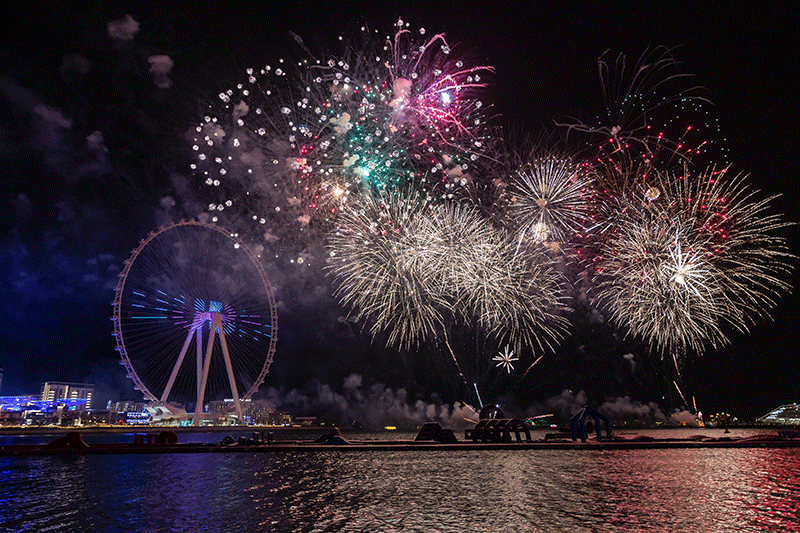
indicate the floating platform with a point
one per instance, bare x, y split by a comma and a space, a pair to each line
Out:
163, 442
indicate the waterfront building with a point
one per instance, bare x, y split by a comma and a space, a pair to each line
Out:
256, 412
13, 408
56, 390
16, 403
126, 406
788, 414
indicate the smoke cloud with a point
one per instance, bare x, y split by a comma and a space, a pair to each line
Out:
369, 407
160, 67
372, 407
123, 29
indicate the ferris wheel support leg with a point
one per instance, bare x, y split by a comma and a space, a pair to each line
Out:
229, 368
199, 361
201, 392
177, 367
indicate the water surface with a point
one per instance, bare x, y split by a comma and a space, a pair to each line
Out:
751, 489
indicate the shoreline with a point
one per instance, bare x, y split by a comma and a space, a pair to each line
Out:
25, 430
35, 450
97, 430
165, 441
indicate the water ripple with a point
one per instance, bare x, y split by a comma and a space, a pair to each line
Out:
697, 490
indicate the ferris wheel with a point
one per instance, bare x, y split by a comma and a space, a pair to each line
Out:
193, 286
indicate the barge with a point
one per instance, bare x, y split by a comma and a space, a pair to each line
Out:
166, 442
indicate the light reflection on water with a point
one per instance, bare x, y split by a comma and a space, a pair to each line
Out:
754, 489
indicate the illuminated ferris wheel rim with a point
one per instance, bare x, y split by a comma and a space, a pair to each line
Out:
123, 276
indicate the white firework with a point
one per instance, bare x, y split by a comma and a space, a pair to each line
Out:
551, 199
505, 359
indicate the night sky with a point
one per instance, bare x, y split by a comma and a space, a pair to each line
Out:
95, 153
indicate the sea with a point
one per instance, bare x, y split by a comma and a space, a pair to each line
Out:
692, 490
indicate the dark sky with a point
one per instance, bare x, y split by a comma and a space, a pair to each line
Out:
75, 201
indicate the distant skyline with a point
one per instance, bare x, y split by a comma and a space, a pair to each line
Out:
97, 107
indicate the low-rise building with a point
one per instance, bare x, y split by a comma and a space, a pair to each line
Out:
788, 415
255, 412
55, 390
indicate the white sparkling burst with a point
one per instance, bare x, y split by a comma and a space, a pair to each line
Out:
505, 359
551, 199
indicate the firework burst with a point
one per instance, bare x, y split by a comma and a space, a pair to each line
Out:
384, 153
506, 359
378, 262
690, 257
551, 199
294, 143
651, 116
413, 271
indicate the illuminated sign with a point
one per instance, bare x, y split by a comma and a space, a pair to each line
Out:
138, 418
